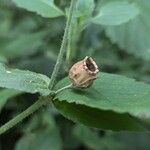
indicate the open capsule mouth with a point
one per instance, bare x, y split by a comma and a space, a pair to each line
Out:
90, 65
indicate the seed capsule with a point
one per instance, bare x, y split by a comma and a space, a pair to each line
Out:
83, 72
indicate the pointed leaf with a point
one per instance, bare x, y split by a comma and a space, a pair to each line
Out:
115, 13
113, 102
134, 36
45, 8
26, 81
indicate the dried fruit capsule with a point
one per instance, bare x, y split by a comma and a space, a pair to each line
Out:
83, 72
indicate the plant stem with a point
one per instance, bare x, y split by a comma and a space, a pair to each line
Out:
63, 45
42, 101
65, 87
69, 48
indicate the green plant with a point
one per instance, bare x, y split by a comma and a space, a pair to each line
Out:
113, 102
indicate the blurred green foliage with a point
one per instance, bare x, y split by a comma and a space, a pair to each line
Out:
28, 41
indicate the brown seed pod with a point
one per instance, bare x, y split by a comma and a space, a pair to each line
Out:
83, 72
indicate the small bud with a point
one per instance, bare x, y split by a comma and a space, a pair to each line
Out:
83, 72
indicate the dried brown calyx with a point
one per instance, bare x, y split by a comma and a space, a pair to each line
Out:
83, 72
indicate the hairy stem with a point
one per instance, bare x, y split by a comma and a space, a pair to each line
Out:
69, 48
63, 45
42, 101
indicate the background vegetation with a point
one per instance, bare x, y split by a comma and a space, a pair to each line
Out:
30, 40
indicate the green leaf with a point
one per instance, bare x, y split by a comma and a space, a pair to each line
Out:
113, 102
24, 45
134, 36
106, 120
116, 13
5, 95
45, 8
26, 81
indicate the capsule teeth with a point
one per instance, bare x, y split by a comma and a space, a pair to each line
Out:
84, 63
91, 59
96, 71
94, 63
86, 58
90, 72
86, 68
